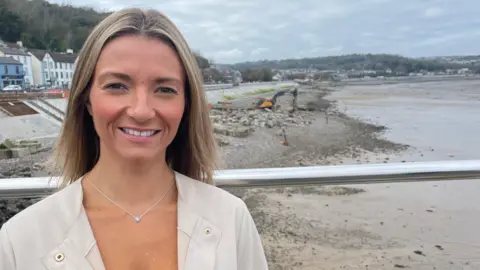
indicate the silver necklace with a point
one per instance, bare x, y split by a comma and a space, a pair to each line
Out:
136, 218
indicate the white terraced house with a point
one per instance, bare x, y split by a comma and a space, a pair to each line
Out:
37, 66
58, 68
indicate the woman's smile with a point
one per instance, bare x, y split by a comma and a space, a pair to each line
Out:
139, 135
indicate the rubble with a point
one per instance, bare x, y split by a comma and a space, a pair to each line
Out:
234, 131
240, 123
16, 149
221, 140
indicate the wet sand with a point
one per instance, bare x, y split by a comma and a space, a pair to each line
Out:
415, 225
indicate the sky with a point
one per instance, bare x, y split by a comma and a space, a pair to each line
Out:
231, 31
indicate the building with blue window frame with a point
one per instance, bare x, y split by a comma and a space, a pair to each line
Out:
11, 72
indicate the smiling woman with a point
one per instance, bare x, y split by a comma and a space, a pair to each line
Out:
137, 155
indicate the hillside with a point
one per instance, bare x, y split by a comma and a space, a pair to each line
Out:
41, 25
396, 63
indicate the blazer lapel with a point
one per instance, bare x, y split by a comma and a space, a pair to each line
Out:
78, 250
197, 238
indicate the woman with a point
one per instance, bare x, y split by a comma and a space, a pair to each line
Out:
136, 134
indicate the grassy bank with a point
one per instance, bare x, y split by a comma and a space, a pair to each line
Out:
250, 93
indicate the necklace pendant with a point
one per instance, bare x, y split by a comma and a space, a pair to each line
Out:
137, 219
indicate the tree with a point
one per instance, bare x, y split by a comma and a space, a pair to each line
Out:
476, 70
201, 61
257, 74
42, 25
11, 25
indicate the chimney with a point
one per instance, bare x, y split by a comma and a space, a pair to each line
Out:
69, 51
19, 43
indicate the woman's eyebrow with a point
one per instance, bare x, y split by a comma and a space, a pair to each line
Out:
172, 80
118, 75
126, 77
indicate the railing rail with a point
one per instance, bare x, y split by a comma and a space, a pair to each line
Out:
315, 175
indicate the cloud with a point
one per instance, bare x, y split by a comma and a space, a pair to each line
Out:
433, 12
247, 30
258, 51
234, 54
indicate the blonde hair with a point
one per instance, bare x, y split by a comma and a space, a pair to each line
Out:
192, 151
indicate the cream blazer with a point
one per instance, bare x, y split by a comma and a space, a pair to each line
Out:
215, 231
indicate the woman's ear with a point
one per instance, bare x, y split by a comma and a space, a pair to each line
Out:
88, 105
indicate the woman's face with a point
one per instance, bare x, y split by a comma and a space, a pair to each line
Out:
137, 97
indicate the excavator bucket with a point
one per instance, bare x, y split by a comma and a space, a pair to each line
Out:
266, 104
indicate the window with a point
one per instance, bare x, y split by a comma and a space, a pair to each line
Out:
61, 75
17, 69
6, 69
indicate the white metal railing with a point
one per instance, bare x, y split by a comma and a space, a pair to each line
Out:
315, 175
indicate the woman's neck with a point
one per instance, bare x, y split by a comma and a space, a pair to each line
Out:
130, 182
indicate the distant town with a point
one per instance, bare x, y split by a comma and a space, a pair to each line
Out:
26, 69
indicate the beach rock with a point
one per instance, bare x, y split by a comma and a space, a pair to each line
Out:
220, 129
221, 141
216, 118
240, 132
270, 124
234, 131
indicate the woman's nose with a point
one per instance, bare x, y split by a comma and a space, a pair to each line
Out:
140, 108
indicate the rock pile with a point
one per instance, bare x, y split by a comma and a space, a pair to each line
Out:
240, 123
15, 149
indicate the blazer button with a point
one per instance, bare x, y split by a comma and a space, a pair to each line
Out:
208, 231
59, 257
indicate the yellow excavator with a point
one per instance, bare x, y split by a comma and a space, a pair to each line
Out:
270, 102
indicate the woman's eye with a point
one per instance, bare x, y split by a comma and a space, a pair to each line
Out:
116, 86
166, 90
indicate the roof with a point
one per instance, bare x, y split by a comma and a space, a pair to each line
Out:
39, 54
13, 51
12, 45
9, 60
63, 57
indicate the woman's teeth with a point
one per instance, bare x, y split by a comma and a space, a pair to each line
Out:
139, 133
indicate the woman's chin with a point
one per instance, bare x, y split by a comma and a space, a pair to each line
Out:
141, 155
